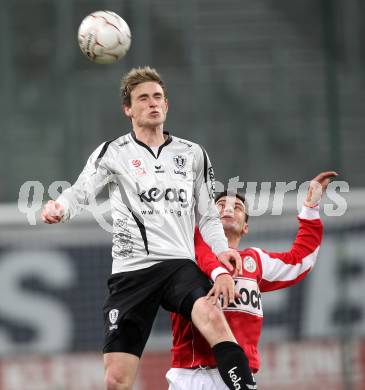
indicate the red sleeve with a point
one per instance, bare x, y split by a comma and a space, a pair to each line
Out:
283, 269
206, 259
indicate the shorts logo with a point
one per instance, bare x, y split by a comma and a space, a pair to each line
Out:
180, 161
249, 264
113, 316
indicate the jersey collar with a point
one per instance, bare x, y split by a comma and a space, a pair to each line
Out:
168, 141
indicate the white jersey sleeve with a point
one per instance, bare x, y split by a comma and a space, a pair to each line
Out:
207, 217
90, 182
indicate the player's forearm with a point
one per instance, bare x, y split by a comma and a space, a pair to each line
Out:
206, 259
282, 269
84, 191
310, 233
73, 201
213, 234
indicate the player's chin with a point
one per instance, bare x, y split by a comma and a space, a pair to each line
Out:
229, 225
153, 123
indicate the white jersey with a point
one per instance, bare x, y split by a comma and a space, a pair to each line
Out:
156, 199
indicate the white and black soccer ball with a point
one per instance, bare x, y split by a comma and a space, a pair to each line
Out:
104, 37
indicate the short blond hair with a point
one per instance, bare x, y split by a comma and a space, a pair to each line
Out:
138, 76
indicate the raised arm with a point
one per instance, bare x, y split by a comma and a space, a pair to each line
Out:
283, 269
90, 182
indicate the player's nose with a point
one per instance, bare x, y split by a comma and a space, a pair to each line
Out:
153, 103
228, 211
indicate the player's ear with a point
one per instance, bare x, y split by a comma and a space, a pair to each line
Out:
126, 110
167, 104
245, 229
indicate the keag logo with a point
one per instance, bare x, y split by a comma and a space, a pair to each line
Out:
172, 195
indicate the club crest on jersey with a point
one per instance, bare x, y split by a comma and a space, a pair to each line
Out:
249, 264
113, 316
137, 167
179, 161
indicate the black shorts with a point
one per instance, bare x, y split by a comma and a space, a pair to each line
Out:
135, 296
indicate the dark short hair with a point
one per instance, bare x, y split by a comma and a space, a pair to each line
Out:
238, 195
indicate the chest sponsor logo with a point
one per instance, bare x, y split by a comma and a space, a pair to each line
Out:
137, 167
249, 300
171, 195
249, 264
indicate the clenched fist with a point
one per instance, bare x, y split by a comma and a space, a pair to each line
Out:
52, 212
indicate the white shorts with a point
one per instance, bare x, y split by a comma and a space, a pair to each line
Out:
195, 379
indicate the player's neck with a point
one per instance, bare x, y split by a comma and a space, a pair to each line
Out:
233, 240
150, 136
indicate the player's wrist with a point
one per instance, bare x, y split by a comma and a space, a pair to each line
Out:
63, 202
217, 272
308, 212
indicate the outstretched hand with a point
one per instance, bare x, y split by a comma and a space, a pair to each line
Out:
232, 261
317, 186
223, 287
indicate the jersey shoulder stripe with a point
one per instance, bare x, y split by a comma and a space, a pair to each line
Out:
103, 151
205, 156
105, 148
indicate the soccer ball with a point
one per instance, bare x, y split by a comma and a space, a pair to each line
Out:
104, 37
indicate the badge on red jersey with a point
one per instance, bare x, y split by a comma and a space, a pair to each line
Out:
249, 264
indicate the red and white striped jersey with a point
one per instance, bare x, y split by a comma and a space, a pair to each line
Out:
262, 271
